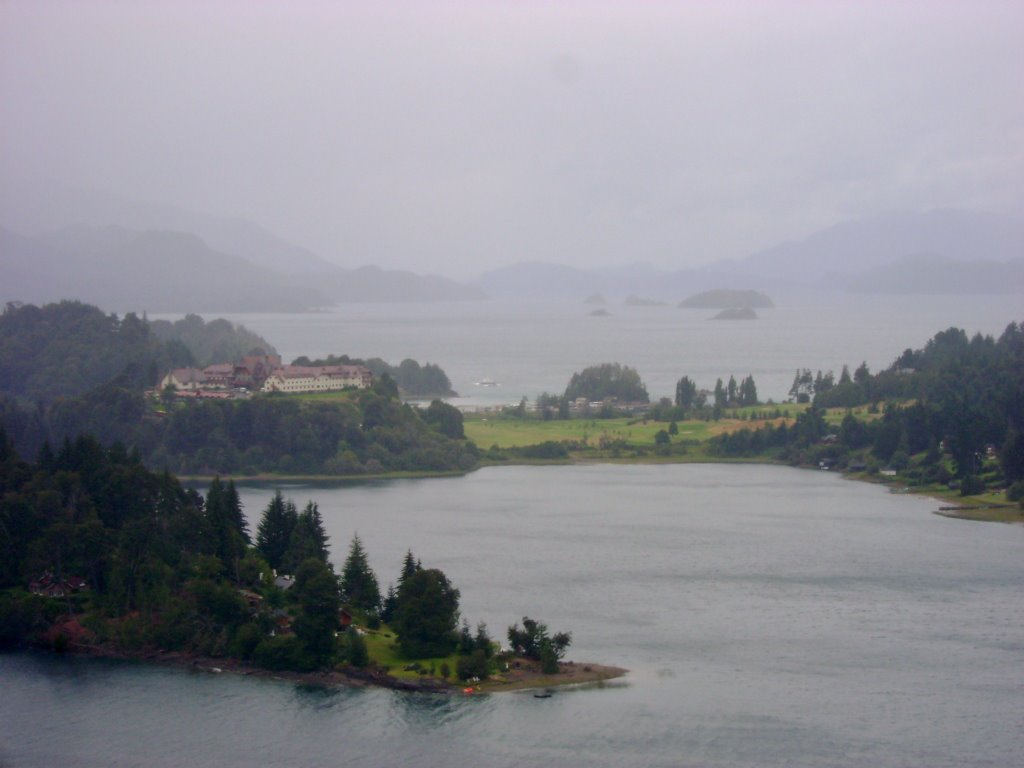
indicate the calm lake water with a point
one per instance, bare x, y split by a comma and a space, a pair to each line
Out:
529, 348
769, 617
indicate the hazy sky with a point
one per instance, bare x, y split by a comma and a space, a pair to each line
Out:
455, 137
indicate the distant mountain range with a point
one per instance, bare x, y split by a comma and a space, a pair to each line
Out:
155, 271
59, 242
33, 206
129, 255
852, 251
937, 252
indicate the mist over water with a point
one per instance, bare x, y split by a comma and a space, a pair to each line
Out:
529, 348
769, 616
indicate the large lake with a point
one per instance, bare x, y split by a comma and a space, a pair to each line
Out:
769, 617
529, 348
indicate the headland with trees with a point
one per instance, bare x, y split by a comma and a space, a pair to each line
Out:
99, 555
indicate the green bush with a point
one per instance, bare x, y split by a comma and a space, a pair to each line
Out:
971, 485
245, 641
473, 665
278, 653
1016, 491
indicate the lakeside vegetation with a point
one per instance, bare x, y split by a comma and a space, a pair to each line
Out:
99, 555
943, 419
68, 369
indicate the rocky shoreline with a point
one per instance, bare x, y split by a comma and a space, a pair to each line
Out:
523, 675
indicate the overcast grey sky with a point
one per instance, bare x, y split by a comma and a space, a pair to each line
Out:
456, 137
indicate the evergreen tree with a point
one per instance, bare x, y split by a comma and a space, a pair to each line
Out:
387, 611
319, 604
358, 581
466, 644
274, 533
720, 396
308, 539
1011, 457
748, 391
483, 641
686, 393
427, 615
409, 566
235, 515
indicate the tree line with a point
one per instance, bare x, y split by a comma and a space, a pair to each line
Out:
142, 563
943, 409
68, 369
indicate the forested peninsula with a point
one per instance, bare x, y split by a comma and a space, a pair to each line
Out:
99, 555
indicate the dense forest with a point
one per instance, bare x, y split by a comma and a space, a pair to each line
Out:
98, 553
65, 350
957, 397
68, 369
216, 341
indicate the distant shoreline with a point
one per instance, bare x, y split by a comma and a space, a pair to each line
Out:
979, 511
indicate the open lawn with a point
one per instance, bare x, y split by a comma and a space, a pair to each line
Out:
382, 646
516, 433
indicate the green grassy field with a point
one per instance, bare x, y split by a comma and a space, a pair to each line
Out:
382, 646
516, 433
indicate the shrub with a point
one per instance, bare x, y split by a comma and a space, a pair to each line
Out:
971, 485
1016, 491
473, 665
356, 652
277, 653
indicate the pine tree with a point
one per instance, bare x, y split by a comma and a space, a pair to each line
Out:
427, 615
686, 393
409, 567
274, 533
387, 611
357, 579
308, 539
236, 517
720, 396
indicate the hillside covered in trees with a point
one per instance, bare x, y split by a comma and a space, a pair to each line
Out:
66, 349
99, 554
216, 341
943, 412
68, 369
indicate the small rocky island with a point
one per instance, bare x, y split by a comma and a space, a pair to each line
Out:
727, 298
